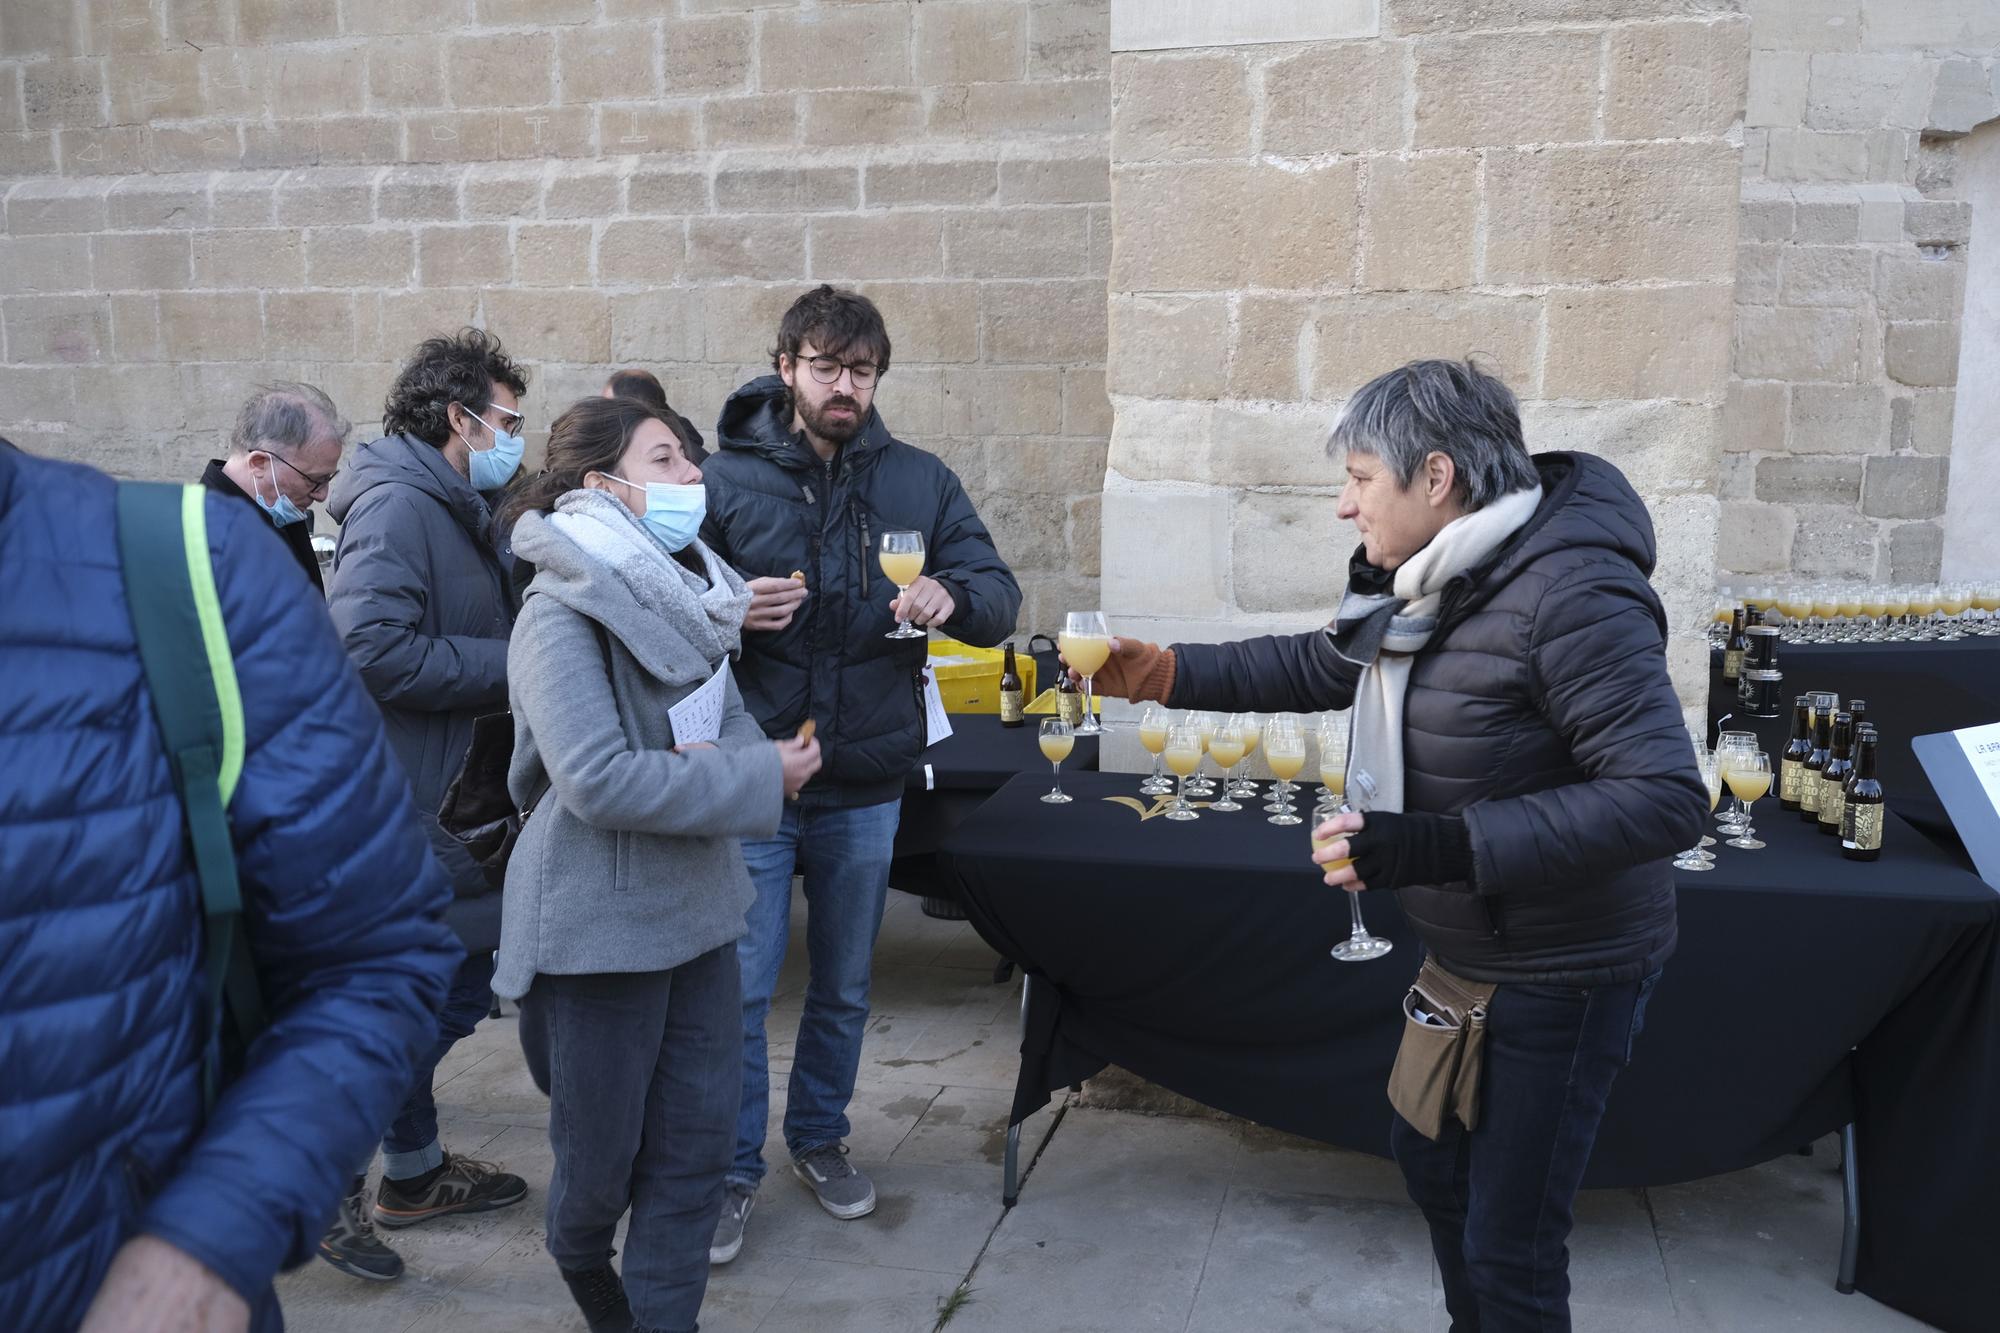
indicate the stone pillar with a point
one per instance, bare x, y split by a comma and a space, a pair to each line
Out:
1305, 195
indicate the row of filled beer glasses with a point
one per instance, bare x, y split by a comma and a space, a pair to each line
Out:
1180, 742
1828, 612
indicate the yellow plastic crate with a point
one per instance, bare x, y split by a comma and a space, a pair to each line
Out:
969, 677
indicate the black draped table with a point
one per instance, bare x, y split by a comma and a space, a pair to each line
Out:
1807, 992
1912, 689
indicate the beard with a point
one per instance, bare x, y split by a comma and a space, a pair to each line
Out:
834, 430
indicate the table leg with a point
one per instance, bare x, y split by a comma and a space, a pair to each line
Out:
1850, 1207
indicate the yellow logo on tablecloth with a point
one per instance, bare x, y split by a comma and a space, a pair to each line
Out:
1159, 807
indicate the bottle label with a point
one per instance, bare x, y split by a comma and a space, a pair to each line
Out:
1069, 707
1789, 771
1861, 829
1010, 706
1832, 801
1809, 785
1732, 663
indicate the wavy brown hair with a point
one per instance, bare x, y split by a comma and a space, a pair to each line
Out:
589, 437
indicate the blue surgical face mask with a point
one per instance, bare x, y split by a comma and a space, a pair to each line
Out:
492, 468
282, 511
673, 514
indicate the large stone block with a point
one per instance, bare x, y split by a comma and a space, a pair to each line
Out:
1919, 289
309, 325
616, 62
1923, 354
501, 191
1507, 88
41, 393
1834, 542
1906, 486
1938, 221
1420, 16
786, 189
1069, 40
1829, 275
158, 85
559, 326
583, 190
1815, 481
1963, 99
499, 13
359, 257
405, 73
1798, 344
766, 249
1757, 273
863, 47
74, 329
928, 321
500, 69
552, 255
51, 205
1017, 243
54, 263
1922, 421
1045, 467
1806, 25
56, 93
668, 190
1422, 217
708, 55
1187, 577
1646, 342
1777, 90
1279, 444
664, 324
211, 326
1826, 216
964, 181
975, 42
1086, 535
981, 401
877, 245
143, 203
642, 251
1612, 213
1169, 346
1226, 225
994, 110
1855, 92
1916, 552
1289, 552
1162, 439
143, 261
1755, 538
766, 120
1043, 323
1934, 23
404, 319
136, 328
499, 133
418, 194
1180, 106
648, 127
868, 116
1664, 449
1056, 180
1086, 405
1270, 343
1358, 338
472, 256
1817, 155
1838, 419
1753, 416
245, 199
1341, 97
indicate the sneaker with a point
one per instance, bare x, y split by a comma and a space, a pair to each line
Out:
600, 1294
351, 1244
737, 1201
842, 1190
462, 1186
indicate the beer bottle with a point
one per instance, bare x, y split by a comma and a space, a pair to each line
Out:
1792, 763
1815, 765
1861, 818
1833, 777
1012, 707
1858, 707
1732, 651
1069, 699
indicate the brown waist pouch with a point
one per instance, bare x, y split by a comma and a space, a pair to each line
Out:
1439, 1064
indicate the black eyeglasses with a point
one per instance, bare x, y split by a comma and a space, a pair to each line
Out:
316, 483
826, 369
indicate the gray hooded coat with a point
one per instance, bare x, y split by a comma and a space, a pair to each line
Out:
630, 859
422, 606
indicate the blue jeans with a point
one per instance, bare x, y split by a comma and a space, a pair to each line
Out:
1500, 1199
411, 1147
844, 855
640, 1068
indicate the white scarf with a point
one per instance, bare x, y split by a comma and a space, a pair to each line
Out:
709, 617
1402, 623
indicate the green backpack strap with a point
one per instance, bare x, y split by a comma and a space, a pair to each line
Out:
170, 588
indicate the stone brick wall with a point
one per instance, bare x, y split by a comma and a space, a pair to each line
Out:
1851, 284
1531, 181
202, 194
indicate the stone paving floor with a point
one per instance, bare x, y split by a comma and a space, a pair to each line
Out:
1126, 1222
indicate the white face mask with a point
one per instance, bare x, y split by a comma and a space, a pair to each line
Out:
674, 514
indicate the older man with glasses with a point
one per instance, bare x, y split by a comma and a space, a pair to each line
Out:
283, 454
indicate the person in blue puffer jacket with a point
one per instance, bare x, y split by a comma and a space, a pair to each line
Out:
120, 1206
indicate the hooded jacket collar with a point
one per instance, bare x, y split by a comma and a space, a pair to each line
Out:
758, 419
410, 461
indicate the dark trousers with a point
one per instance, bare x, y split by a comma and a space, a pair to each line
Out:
643, 1073
1500, 1199
411, 1147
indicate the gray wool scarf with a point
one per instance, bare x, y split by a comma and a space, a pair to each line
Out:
1385, 631
709, 617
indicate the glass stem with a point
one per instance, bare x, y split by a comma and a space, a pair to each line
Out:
1088, 712
1180, 797
1055, 766
1354, 906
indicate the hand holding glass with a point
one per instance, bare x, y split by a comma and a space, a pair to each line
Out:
1359, 946
1085, 643
902, 557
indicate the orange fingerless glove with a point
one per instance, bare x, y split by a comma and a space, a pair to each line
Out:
1138, 671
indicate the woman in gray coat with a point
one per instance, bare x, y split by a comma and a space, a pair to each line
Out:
626, 892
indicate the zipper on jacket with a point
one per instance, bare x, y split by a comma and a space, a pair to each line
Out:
862, 519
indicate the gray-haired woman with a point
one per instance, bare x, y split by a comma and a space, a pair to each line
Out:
1526, 775
626, 892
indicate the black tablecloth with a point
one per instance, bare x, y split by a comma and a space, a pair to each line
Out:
1807, 991
954, 778
1912, 689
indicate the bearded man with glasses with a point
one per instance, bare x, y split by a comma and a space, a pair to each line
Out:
805, 481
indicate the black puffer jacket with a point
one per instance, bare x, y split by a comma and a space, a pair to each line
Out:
774, 507
1541, 712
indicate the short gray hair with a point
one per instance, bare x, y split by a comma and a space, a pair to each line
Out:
283, 417
1446, 407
